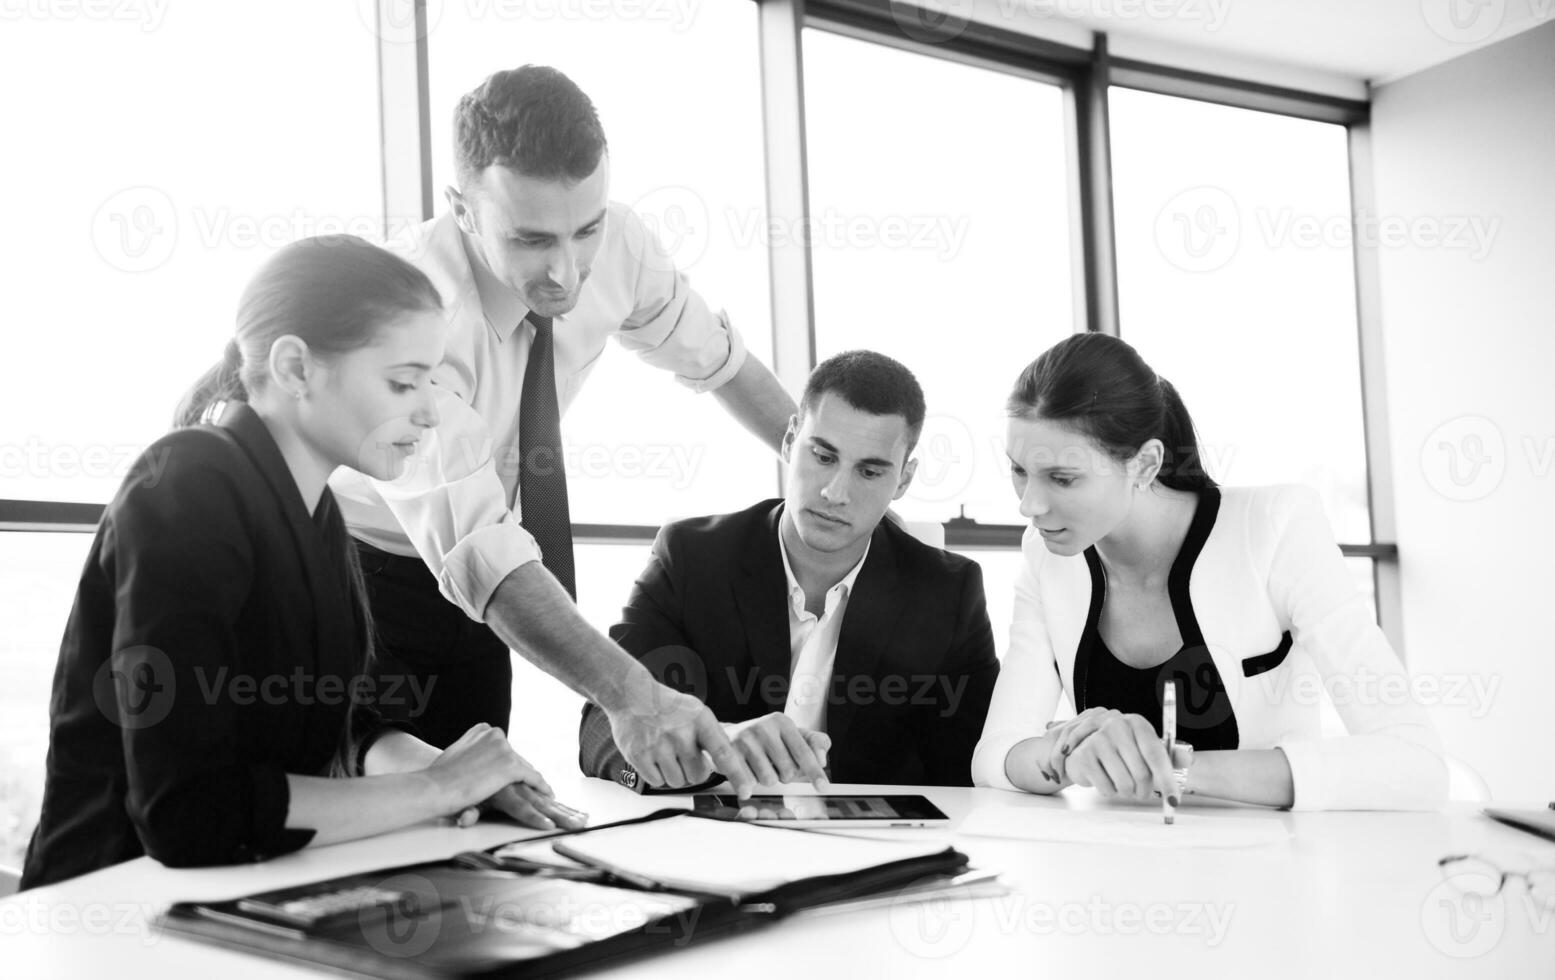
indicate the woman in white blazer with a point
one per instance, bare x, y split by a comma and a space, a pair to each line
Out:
1139, 571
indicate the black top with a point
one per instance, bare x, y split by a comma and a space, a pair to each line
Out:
1205, 718
212, 649
915, 666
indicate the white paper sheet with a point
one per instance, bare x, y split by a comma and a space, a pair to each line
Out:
1142, 828
736, 858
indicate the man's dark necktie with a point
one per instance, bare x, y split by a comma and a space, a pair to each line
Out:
542, 480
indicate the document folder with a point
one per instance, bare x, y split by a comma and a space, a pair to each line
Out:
482, 915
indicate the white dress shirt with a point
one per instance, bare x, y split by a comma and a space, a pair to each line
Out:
812, 644
456, 504
1269, 566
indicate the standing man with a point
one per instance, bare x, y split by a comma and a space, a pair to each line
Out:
470, 553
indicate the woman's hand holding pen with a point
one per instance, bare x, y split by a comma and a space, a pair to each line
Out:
1119, 755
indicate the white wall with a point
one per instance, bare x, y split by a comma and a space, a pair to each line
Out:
1469, 335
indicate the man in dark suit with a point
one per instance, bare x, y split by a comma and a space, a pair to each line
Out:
816, 630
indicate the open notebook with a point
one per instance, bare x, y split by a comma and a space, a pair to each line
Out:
734, 859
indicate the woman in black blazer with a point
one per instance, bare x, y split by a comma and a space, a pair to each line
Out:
212, 677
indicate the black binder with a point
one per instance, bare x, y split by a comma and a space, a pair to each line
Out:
1540, 822
476, 915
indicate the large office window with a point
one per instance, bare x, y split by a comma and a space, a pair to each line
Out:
154, 158
680, 105
939, 213
1236, 281
151, 170
38, 575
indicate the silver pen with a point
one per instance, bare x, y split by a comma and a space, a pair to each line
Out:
1169, 736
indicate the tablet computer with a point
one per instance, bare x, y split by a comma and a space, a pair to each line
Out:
825, 811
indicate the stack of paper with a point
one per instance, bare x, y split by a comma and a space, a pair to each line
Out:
730, 858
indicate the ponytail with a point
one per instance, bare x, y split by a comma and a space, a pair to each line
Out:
222, 382
1101, 388
1183, 467
331, 291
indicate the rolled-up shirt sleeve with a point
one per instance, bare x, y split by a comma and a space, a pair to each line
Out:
453, 508
671, 326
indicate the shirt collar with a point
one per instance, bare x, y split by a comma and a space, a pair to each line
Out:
504, 311
845, 586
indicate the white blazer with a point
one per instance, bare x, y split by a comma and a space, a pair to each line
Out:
1269, 565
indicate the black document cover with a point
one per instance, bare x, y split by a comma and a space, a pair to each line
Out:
464, 918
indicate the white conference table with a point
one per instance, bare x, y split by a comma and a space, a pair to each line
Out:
1349, 895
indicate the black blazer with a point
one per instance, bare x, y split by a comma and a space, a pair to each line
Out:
915, 665
209, 653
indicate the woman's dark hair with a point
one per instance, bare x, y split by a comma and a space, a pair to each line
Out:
334, 292
1101, 388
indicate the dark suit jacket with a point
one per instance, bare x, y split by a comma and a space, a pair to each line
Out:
191, 675
915, 665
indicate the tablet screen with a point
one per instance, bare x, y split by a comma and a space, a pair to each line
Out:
821, 808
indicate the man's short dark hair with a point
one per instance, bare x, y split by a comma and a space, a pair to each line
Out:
532, 119
870, 382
